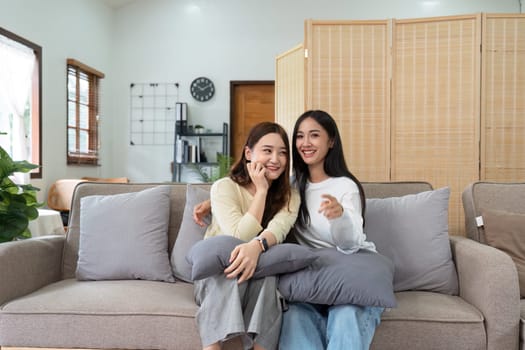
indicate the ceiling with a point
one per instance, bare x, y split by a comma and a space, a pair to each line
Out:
117, 3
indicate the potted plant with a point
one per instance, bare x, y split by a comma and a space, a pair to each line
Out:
18, 203
199, 129
222, 168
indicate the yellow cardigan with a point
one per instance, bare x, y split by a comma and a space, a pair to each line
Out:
230, 203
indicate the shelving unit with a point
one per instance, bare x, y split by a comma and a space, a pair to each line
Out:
180, 160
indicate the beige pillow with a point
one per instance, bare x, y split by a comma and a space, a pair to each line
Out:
506, 231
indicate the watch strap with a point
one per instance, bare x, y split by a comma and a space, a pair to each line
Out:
263, 242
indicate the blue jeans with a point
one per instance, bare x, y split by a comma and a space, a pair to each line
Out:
310, 326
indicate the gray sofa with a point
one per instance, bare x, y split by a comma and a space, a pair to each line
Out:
43, 305
509, 197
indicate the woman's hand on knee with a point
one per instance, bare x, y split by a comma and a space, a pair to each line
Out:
243, 261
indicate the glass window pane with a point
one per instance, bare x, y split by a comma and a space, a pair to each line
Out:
71, 140
6, 126
71, 114
71, 86
84, 91
84, 138
84, 117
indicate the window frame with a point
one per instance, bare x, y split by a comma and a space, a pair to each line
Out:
92, 76
36, 103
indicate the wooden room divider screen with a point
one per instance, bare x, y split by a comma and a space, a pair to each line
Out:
503, 98
435, 114
289, 87
407, 97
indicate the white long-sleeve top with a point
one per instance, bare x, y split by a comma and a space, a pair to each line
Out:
345, 232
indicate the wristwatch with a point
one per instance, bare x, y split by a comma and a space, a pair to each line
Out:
263, 242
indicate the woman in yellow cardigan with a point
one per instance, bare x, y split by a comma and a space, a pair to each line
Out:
256, 204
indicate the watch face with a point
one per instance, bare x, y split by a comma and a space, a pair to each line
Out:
202, 89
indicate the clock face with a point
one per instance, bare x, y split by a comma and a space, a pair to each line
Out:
202, 89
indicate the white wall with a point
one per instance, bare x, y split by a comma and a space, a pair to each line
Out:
78, 29
175, 41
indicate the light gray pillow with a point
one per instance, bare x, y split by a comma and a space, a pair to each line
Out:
211, 256
125, 236
189, 233
413, 232
362, 278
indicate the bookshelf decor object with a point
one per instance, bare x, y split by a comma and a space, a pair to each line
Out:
188, 145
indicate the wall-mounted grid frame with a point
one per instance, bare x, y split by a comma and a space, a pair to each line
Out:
152, 113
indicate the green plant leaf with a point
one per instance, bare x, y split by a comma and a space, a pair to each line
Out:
31, 213
26, 234
18, 203
29, 187
23, 166
12, 225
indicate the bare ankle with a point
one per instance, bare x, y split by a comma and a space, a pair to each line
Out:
215, 346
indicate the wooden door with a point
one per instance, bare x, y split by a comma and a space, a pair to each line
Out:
252, 102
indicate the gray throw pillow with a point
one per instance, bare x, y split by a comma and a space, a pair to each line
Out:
362, 278
211, 256
125, 236
189, 233
413, 232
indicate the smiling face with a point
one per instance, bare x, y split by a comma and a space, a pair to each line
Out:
312, 142
271, 152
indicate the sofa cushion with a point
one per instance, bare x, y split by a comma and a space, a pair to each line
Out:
362, 278
412, 231
211, 256
426, 320
124, 236
128, 314
506, 231
189, 233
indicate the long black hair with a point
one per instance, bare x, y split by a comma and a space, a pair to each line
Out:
279, 192
334, 163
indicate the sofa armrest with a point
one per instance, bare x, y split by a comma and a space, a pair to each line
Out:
28, 265
488, 280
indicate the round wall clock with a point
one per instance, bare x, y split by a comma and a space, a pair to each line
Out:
202, 89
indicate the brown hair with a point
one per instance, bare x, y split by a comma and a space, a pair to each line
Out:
279, 192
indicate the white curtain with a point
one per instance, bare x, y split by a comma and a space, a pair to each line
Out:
17, 63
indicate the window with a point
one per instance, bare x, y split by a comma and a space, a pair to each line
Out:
82, 113
20, 100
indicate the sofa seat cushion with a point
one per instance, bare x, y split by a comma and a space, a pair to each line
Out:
103, 314
427, 320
